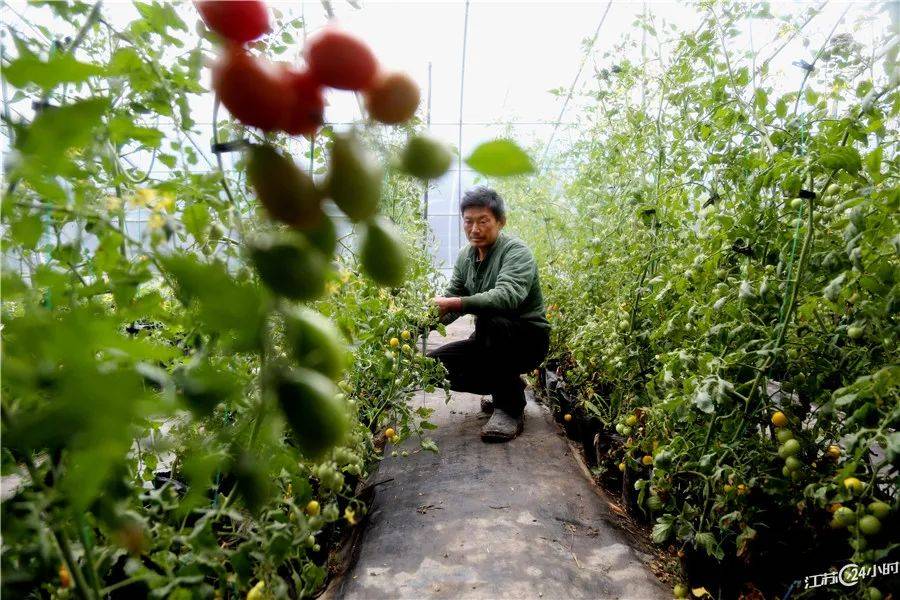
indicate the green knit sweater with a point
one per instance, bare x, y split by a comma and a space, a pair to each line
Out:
505, 283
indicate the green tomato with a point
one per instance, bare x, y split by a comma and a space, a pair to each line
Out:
869, 525
880, 509
792, 463
323, 236
783, 435
316, 342
307, 399
288, 194
288, 265
789, 448
425, 157
382, 254
354, 178
845, 516
854, 332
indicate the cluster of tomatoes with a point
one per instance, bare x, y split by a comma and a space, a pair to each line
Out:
277, 96
294, 261
281, 97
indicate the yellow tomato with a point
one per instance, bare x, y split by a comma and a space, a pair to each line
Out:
853, 485
65, 580
779, 419
394, 342
389, 432
312, 508
257, 592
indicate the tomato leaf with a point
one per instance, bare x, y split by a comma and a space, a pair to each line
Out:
55, 131
500, 158
61, 68
842, 157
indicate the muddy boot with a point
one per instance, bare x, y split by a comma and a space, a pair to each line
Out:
502, 427
487, 404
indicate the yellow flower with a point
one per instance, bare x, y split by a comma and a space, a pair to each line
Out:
350, 515
345, 276
331, 287
142, 197
156, 221
113, 203
165, 202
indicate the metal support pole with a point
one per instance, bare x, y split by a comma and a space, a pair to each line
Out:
462, 83
425, 196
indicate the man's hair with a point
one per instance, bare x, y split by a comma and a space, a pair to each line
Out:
481, 196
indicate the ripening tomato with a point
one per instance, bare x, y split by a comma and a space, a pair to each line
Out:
254, 90
393, 98
237, 20
288, 193
306, 109
340, 60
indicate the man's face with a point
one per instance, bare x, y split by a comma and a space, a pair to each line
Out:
482, 227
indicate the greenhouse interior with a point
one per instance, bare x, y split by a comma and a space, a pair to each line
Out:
459, 299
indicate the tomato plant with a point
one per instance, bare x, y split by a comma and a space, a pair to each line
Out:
190, 407
722, 276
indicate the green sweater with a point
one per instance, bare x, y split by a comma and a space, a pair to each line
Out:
505, 283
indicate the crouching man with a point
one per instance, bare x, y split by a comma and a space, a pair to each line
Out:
496, 279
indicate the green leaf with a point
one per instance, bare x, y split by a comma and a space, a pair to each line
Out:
873, 163
223, 302
61, 68
122, 128
500, 158
781, 108
760, 99
842, 157
662, 530
27, 230
703, 401
195, 219
125, 61
55, 131
428, 444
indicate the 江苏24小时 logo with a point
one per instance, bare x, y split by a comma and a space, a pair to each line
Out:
851, 574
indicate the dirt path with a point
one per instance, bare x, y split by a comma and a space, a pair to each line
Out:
516, 520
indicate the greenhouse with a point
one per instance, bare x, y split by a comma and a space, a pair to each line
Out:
462, 299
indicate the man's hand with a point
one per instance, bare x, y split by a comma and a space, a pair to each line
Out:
446, 305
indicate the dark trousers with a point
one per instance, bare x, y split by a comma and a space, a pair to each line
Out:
490, 361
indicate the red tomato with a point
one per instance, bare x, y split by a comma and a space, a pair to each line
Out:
393, 98
255, 91
340, 59
305, 112
237, 20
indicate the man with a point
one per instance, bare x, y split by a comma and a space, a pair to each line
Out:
496, 279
